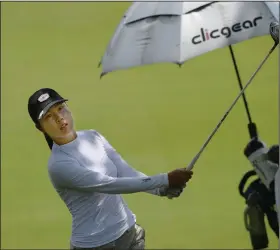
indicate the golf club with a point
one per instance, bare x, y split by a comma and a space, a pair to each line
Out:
274, 32
251, 125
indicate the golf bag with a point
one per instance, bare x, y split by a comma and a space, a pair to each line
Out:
260, 204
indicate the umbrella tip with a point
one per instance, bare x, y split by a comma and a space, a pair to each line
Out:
102, 74
179, 64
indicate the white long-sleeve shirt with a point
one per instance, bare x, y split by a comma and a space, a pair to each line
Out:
89, 176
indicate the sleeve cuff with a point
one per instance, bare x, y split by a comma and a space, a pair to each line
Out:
165, 179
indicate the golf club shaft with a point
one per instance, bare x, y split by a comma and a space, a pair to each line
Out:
192, 163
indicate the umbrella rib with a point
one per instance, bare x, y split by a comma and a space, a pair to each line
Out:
200, 8
154, 16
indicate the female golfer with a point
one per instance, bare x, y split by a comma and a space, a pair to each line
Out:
89, 176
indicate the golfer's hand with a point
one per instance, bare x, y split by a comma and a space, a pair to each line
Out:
174, 192
179, 177
171, 192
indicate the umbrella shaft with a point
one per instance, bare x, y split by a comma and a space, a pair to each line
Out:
240, 83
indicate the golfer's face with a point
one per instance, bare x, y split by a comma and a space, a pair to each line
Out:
57, 122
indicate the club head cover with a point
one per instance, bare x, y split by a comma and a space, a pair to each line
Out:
273, 154
253, 146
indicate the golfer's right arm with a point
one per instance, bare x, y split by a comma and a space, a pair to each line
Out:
69, 174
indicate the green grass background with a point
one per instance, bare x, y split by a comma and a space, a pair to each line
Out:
156, 116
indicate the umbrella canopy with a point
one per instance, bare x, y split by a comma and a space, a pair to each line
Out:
174, 32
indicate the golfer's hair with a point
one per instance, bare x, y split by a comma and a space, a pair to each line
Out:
49, 141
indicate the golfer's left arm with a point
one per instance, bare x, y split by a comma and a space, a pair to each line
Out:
124, 169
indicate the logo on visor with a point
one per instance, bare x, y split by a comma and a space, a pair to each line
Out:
43, 97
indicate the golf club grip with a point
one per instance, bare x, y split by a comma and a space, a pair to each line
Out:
194, 160
252, 130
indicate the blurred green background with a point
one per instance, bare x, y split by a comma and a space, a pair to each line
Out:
156, 116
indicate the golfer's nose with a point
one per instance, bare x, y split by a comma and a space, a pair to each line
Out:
59, 118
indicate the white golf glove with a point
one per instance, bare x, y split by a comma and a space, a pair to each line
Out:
256, 152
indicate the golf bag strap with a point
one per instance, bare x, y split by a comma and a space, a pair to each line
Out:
244, 180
